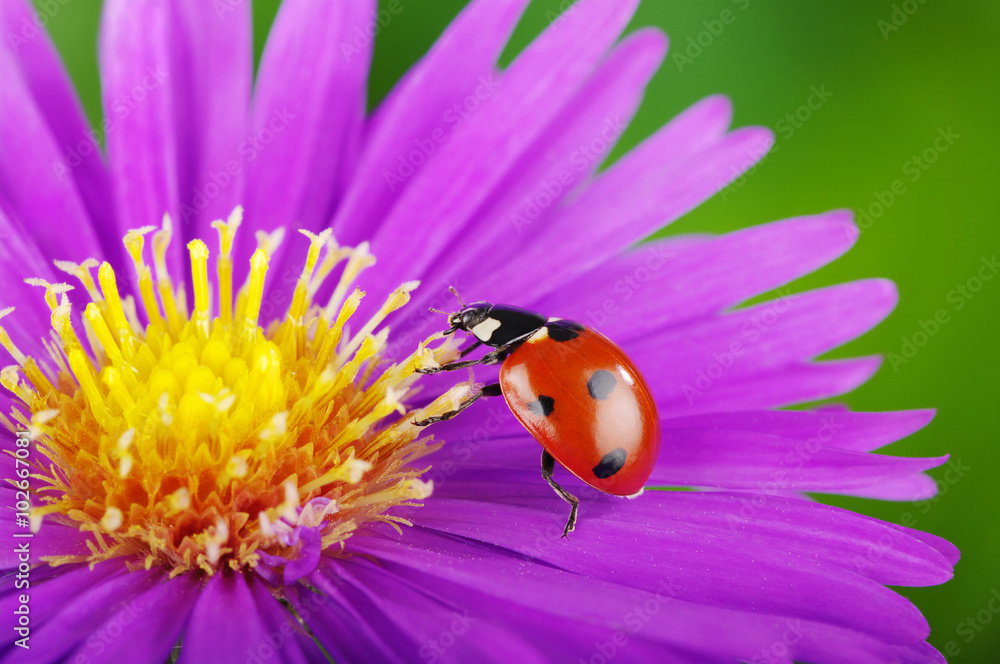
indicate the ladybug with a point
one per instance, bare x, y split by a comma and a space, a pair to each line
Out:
575, 391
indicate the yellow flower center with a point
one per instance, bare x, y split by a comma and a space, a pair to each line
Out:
201, 442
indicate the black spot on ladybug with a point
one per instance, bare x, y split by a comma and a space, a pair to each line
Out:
610, 463
542, 406
601, 384
564, 330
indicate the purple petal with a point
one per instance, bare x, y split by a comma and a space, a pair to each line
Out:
175, 79
663, 284
414, 112
798, 383
218, 64
519, 107
346, 624
762, 462
838, 540
34, 191
48, 596
423, 619
311, 546
283, 634
146, 629
790, 385
57, 102
638, 195
920, 653
547, 599
308, 114
708, 353
141, 74
224, 620
80, 614
692, 132
565, 156
905, 489
717, 555
861, 432
948, 550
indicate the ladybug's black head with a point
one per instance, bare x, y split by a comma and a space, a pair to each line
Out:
495, 325
470, 316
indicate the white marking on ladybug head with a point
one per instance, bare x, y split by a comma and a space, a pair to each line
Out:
485, 330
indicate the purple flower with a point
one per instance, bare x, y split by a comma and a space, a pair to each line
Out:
233, 472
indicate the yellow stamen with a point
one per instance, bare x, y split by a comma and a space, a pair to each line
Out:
52, 291
300, 297
396, 299
107, 342
116, 312
199, 277
134, 243
258, 270
359, 260
195, 443
5, 341
224, 264
82, 272
161, 242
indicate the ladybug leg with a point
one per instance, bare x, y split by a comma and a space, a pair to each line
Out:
492, 390
548, 467
496, 357
469, 349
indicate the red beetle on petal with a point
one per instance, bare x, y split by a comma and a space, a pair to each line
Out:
573, 389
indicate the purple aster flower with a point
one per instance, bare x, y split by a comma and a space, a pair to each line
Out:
211, 453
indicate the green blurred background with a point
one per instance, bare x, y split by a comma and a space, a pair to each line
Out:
892, 84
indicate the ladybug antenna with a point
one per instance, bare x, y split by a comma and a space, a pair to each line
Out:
437, 311
455, 293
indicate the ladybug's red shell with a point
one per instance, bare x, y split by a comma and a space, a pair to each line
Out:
581, 397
